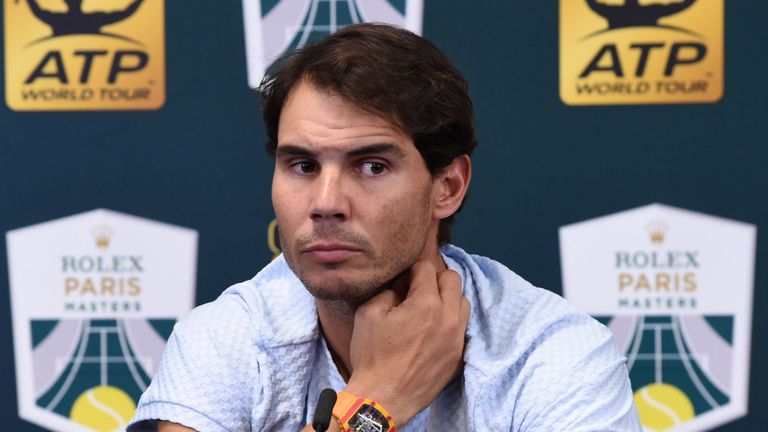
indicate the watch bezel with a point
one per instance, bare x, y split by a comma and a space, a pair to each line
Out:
364, 414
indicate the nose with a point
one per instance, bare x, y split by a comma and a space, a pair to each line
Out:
330, 202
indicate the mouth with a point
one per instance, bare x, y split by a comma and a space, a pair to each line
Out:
325, 253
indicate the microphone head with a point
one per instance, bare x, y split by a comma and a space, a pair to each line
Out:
324, 410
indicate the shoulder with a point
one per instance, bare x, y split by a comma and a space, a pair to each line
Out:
534, 356
511, 318
221, 363
273, 308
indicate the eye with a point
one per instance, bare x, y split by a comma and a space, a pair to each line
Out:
373, 168
304, 167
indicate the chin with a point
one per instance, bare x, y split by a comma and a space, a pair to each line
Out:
336, 288
344, 281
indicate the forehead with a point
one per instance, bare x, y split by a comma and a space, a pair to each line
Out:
313, 114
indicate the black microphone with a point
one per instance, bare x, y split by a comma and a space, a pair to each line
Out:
324, 409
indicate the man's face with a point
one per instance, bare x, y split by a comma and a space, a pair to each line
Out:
353, 197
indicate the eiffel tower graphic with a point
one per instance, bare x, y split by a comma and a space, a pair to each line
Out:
660, 353
323, 18
103, 356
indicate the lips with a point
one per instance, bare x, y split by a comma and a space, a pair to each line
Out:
330, 252
325, 253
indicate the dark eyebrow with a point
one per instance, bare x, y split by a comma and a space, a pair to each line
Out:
376, 149
292, 150
373, 149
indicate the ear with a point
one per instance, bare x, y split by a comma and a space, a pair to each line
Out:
451, 187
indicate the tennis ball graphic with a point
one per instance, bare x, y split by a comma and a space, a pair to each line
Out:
103, 408
663, 406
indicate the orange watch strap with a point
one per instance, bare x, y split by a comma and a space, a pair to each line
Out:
346, 405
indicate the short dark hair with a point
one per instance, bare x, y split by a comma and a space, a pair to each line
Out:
390, 72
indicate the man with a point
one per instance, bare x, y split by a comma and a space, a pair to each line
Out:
372, 131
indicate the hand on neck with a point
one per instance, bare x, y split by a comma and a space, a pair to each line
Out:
337, 318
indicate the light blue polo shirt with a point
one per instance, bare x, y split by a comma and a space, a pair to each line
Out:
254, 360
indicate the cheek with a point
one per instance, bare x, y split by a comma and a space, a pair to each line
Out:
285, 200
287, 223
288, 214
406, 220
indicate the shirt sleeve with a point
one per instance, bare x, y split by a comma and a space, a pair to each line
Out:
208, 378
577, 381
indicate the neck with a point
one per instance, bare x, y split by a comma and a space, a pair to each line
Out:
337, 320
337, 317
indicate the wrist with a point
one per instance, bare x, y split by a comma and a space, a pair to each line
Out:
391, 400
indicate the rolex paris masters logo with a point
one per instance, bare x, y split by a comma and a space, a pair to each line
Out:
641, 51
273, 27
675, 288
93, 299
81, 55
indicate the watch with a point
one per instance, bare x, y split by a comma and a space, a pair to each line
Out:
358, 414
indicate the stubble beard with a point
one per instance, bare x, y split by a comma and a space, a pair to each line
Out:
350, 292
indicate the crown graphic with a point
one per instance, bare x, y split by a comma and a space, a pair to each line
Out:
75, 21
657, 231
633, 14
102, 234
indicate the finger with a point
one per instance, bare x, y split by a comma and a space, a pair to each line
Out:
449, 287
401, 284
379, 304
465, 309
423, 284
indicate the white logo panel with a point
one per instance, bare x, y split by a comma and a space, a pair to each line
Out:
675, 287
273, 27
94, 297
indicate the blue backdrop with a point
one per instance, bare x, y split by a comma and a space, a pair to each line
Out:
199, 161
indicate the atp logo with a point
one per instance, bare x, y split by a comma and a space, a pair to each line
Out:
273, 27
94, 298
675, 288
68, 55
641, 51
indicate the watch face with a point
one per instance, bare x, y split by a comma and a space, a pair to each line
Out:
368, 419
